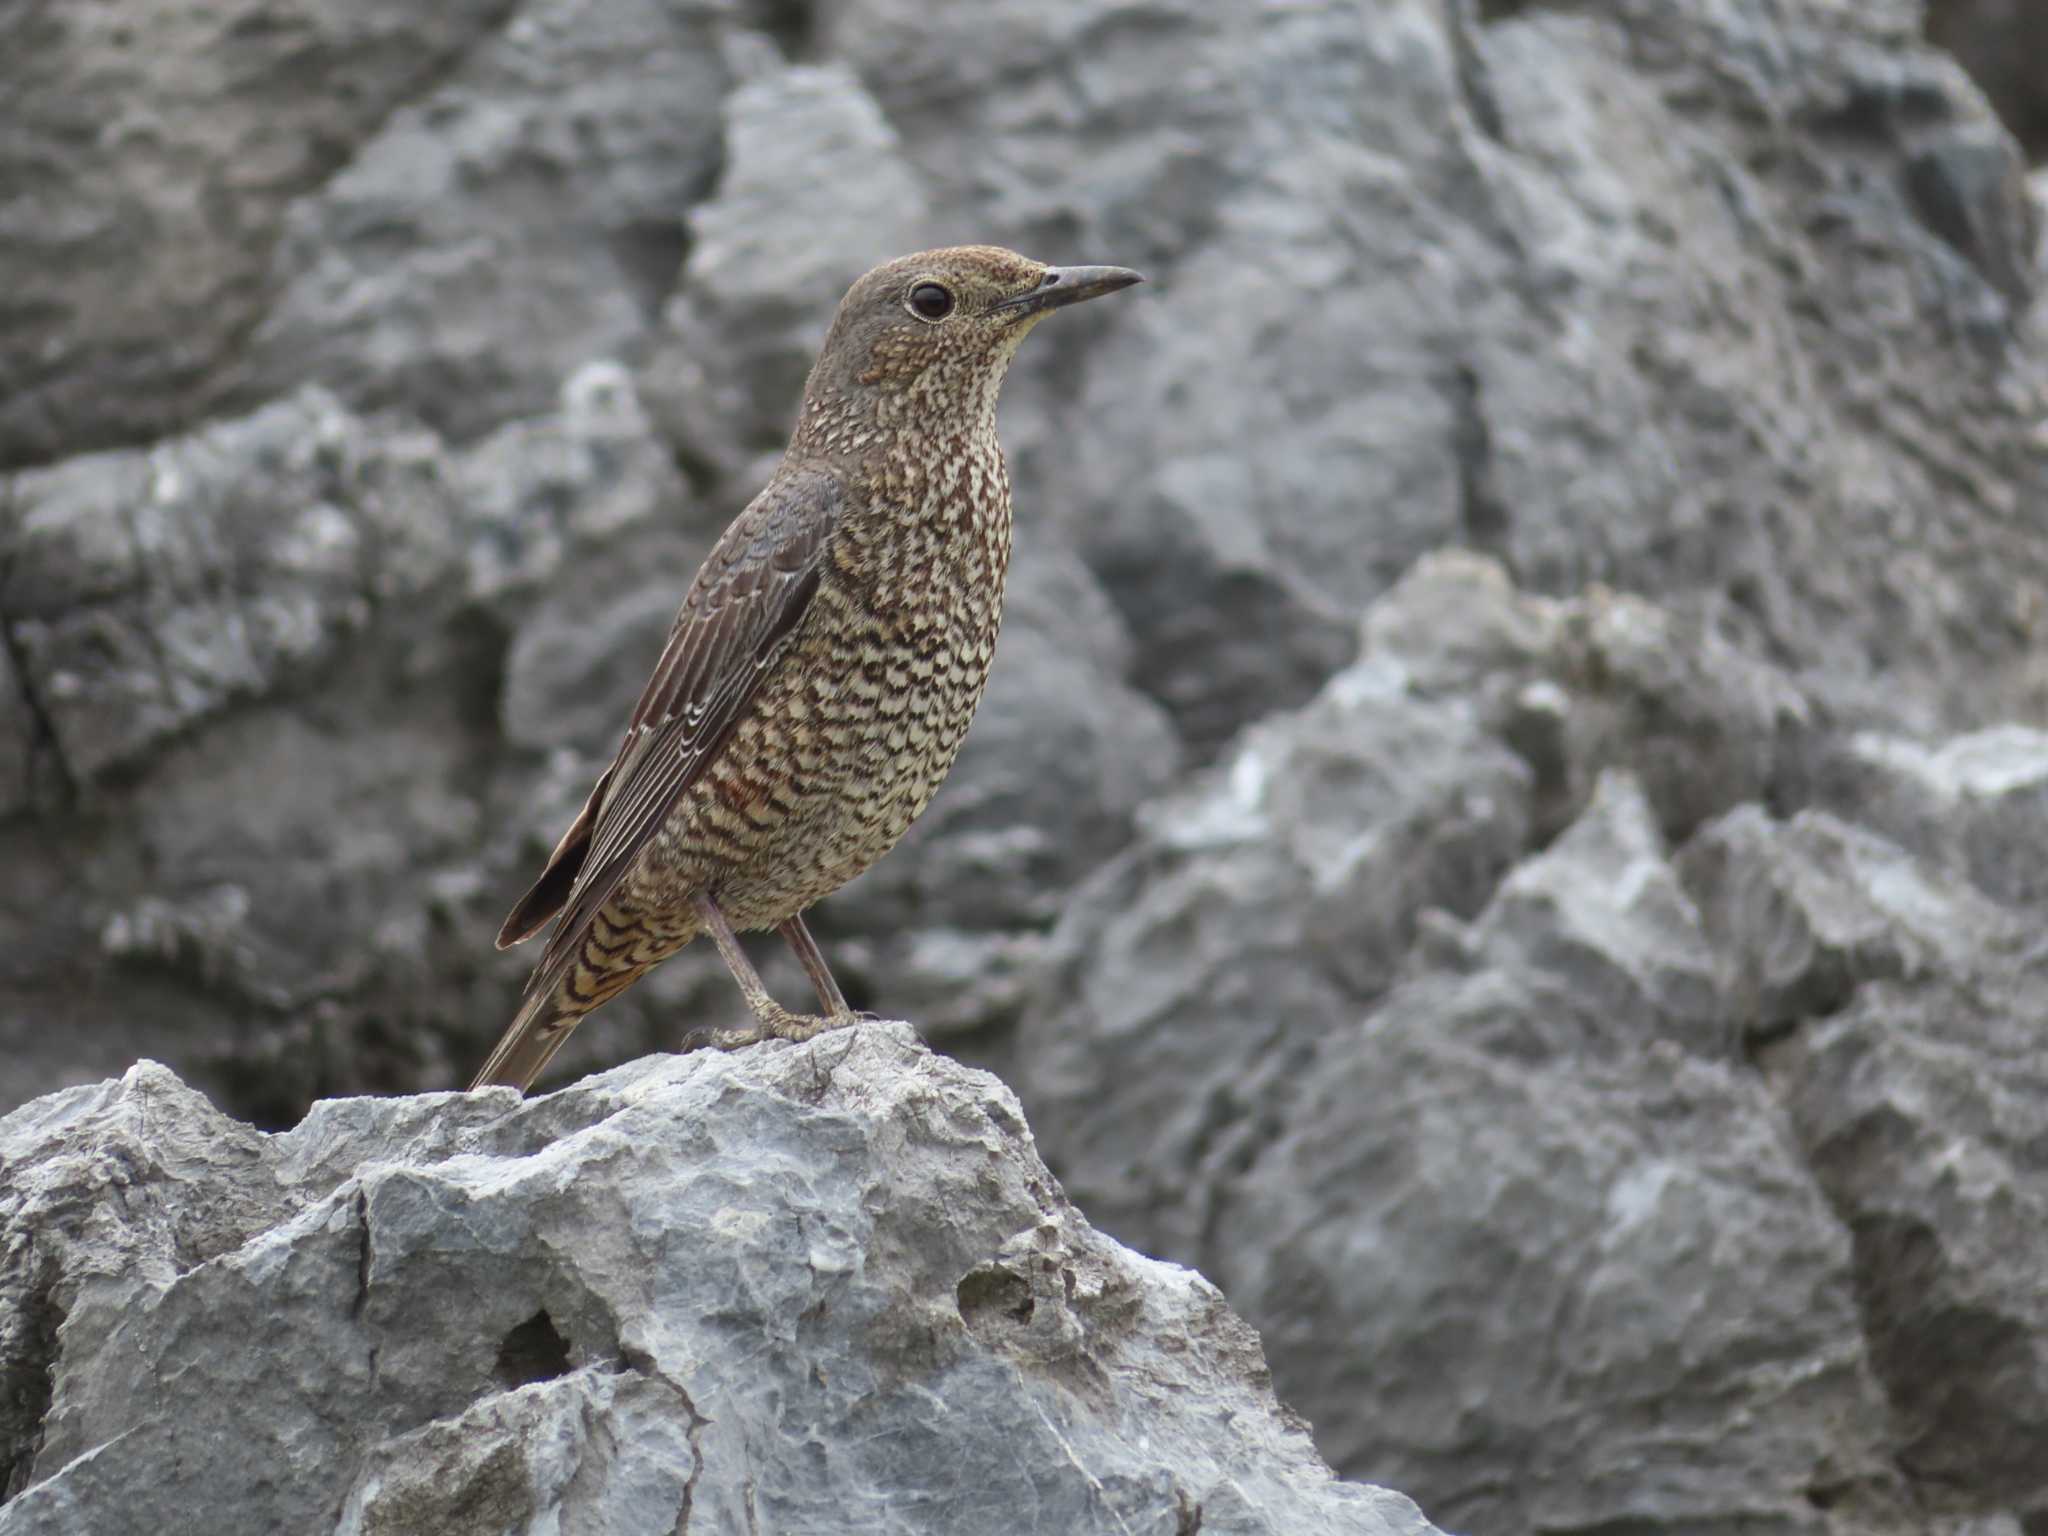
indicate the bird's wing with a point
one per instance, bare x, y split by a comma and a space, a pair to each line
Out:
749, 596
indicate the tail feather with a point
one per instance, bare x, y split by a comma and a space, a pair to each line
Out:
611, 953
543, 1023
614, 949
547, 895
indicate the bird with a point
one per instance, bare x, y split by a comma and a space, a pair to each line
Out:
822, 670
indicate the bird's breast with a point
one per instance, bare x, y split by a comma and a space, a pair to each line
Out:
859, 724
927, 548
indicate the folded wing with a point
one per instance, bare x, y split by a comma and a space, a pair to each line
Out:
747, 600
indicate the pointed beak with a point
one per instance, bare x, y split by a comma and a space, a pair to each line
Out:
1062, 286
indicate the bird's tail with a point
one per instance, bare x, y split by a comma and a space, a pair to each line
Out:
563, 990
543, 1024
606, 955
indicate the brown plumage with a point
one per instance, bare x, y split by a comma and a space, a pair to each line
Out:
823, 669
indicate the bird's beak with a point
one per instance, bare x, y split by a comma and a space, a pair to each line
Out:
1062, 286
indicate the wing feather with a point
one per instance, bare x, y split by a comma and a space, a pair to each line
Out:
748, 598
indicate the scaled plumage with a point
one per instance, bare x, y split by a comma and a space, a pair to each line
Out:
825, 664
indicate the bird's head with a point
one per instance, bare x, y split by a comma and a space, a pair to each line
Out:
936, 331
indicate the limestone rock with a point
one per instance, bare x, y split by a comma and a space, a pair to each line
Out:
827, 1287
151, 157
1619, 1140
520, 219
1192, 976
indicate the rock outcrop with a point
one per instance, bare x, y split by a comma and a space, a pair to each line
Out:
1691, 1148
827, 1288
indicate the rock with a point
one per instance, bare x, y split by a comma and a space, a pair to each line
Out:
714, 1291
1993, 40
25, 756
1535, 1227
1977, 805
565, 486
739, 337
152, 155
145, 591
1543, 1119
1604, 679
1281, 887
1812, 909
518, 220
1498, 1074
1908, 1060
228, 825
1291, 883
1602, 909
1923, 1110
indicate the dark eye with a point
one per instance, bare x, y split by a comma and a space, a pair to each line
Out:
931, 301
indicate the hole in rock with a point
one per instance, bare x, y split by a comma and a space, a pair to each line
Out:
986, 1294
532, 1352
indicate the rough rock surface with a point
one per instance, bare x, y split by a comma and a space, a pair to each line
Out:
798, 1289
152, 155
1688, 1159
1509, 823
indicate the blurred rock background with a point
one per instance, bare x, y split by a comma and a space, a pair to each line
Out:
1510, 824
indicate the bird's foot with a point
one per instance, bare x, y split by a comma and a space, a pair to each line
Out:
772, 1023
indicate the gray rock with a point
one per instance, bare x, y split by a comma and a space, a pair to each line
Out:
1290, 884
1977, 804
1603, 908
792, 1289
1994, 40
562, 487
1602, 680
1909, 1062
1606, 1266
24, 745
1530, 1095
611, 539
1808, 911
1532, 1127
146, 590
1278, 890
519, 219
1923, 1111
151, 154
739, 337
265, 665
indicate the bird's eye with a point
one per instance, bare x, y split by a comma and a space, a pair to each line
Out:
931, 301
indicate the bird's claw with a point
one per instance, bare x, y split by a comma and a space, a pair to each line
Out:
780, 1025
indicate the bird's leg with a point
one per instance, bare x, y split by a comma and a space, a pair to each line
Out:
812, 959
772, 1021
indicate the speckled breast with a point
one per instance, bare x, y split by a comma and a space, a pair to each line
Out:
862, 716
